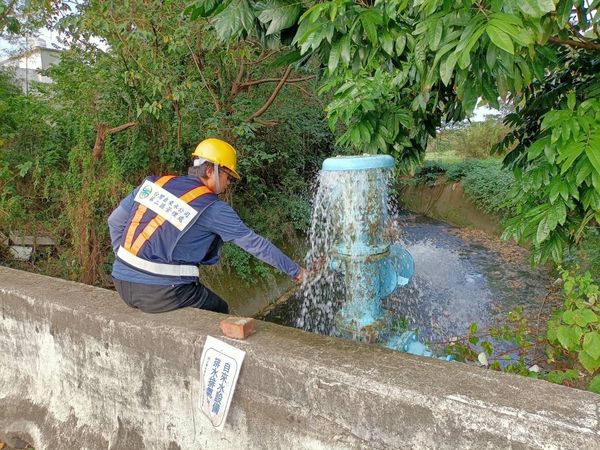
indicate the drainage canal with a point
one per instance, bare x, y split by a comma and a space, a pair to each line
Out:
393, 278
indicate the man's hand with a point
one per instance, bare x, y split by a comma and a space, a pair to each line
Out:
301, 276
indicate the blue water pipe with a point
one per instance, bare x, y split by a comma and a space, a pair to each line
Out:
373, 268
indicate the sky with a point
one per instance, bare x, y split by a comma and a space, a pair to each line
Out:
481, 111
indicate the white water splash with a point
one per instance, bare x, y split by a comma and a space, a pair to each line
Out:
339, 203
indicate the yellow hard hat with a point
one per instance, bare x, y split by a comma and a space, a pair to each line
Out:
218, 152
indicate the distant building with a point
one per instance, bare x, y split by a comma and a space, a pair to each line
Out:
28, 64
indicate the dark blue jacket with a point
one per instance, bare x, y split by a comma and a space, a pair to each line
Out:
199, 243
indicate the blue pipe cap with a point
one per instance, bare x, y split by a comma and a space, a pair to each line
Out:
362, 162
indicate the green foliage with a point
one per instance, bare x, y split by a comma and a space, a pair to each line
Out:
398, 69
244, 265
375, 69
31, 138
574, 330
594, 385
9, 22
399, 324
505, 346
473, 141
554, 129
557, 194
571, 339
173, 80
430, 172
418, 50
587, 254
485, 182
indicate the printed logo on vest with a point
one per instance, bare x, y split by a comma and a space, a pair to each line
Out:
168, 206
145, 191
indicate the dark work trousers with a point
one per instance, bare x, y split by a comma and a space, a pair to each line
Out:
152, 298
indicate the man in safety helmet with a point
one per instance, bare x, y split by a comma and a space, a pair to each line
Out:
169, 225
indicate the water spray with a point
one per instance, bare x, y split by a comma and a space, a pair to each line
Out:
371, 265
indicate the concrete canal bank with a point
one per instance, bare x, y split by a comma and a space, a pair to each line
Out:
81, 370
447, 202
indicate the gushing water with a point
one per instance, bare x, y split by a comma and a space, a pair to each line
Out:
348, 227
323, 290
455, 283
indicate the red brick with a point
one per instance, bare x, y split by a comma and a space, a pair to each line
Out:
238, 327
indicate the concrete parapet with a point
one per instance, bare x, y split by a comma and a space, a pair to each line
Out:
80, 370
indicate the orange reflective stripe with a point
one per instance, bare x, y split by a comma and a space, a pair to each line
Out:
139, 213
146, 233
155, 223
194, 194
141, 209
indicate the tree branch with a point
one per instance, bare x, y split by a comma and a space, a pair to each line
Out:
576, 32
121, 128
275, 93
102, 131
247, 84
155, 33
579, 44
581, 16
265, 55
8, 9
235, 87
210, 90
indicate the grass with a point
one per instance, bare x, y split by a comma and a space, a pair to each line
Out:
446, 156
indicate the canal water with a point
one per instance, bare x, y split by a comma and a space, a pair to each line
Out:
461, 277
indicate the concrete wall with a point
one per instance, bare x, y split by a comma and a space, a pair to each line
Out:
448, 202
79, 370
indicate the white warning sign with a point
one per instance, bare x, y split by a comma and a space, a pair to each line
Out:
219, 368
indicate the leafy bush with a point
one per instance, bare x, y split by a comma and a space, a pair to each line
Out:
50, 183
556, 196
487, 183
587, 254
430, 172
459, 170
574, 330
244, 265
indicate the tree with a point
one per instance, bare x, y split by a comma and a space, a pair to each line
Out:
8, 20
398, 68
138, 85
557, 159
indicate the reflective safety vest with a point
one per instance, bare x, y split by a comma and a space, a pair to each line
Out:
165, 208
